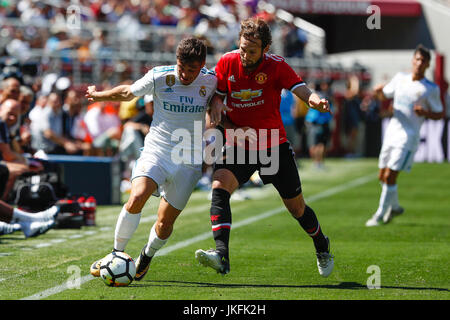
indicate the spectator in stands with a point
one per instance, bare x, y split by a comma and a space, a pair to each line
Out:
318, 126
60, 42
36, 111
9, 115
104, 127
295, 40
26, 98
10, 89
19, 47
189, 16
20, 132
47, 129
128, 109
72, 116
15, 162
287, 108
98, 47
352, 114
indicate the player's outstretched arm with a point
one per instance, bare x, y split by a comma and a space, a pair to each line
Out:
313, 100
119, 93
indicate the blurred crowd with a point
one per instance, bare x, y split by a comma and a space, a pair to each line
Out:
96, 28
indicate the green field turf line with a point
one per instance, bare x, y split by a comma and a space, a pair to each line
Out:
324, 194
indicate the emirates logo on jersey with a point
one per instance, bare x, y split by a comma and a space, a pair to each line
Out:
246, 94
261, 78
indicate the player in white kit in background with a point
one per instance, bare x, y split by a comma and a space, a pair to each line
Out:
181, 95
415, 98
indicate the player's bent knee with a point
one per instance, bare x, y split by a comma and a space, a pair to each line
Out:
297, 211
296, 206
136, 202
164, 228
224, 179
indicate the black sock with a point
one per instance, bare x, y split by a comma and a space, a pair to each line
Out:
221, 220
308, 221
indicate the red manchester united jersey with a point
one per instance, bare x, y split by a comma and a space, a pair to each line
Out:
255, 97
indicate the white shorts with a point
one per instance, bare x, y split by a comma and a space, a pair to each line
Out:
397, 159
176, 182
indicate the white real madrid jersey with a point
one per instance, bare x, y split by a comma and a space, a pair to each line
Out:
404, 128
179, 113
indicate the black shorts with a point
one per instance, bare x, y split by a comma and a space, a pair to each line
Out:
284, 176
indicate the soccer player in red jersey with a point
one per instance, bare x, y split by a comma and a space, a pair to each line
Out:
251, 80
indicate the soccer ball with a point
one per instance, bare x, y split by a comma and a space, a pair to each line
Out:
117, 269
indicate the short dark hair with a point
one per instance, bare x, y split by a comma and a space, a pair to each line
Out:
256, 28
191, 50
424, 52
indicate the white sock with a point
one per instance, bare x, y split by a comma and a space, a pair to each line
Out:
388, 192
394, 202
126, 225
154, 243
23, 216
20, 215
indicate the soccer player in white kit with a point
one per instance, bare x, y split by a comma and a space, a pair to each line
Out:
414, 99
181, 95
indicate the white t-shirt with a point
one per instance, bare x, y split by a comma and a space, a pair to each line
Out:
179, 111
97, 122
403, 130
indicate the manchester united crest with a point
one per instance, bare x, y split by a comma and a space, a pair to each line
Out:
261, 78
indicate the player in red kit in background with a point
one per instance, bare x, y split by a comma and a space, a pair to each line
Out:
251, 80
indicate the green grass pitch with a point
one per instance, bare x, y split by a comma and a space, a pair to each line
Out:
272, 258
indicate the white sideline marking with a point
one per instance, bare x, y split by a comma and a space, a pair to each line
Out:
60, 240
5, 254
327, 193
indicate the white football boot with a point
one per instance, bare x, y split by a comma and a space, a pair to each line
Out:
36, 228
374, 221
392, 213
325, 261
211, 258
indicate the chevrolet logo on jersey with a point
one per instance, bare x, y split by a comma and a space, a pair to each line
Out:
246, 94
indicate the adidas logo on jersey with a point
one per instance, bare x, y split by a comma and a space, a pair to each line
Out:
231, 78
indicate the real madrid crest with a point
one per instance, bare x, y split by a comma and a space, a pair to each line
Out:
261, 78
170, 80
202, 91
